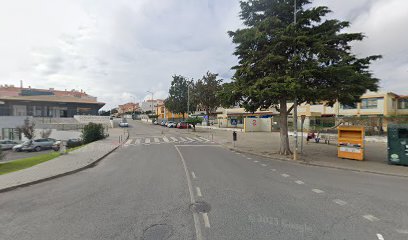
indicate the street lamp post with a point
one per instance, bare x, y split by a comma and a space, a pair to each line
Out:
295, 120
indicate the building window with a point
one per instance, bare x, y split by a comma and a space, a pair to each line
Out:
403, 104
369, 103
349, 106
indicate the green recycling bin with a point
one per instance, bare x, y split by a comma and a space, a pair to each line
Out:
398, 144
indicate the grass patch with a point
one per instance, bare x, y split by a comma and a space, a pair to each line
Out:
26, 162
75, 148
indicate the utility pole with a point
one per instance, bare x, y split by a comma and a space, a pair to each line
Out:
295, 120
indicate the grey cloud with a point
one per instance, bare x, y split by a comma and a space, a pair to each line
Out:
124, 48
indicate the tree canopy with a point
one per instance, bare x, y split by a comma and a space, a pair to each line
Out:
205, 93
310, 60
178, 95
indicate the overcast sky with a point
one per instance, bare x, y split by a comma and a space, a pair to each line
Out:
119, 49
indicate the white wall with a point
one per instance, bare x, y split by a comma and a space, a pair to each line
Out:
258, 124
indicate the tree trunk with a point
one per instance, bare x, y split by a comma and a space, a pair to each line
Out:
208, 117
284, 136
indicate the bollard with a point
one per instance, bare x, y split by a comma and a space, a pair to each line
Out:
234, 137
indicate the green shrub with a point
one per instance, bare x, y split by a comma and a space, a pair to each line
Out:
92, 132
1, 154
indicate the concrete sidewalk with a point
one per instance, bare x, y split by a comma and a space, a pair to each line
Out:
319, 154
65, 164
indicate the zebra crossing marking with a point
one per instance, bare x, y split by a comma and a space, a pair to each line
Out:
164, 139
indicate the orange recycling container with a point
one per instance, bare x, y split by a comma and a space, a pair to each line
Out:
351, 142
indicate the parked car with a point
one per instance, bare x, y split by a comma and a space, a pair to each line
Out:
71, 143
171, 125
7, 144
19, 147
39, 144
183, 125
156, 122
163, 123
123, 123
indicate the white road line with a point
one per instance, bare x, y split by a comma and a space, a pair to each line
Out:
317, 190
197, 226
380, 237
237, 153
371, 218
193, 175
206, 220
256, 161
128, 142
165, 139
197, 139
299, 182
156, 140
205, 139
147, 140
138, 141
197, 145
340, 202
190, 139
249, 158
174, 139
264, 165
285, 175
182, 139
199, 194
273, 170
401, 231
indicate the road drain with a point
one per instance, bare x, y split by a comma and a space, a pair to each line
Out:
158, 232
200, 207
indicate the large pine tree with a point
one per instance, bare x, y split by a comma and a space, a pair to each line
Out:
310, 60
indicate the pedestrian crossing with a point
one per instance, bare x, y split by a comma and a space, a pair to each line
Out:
165, 139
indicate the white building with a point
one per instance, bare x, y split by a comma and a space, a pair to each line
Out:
151, 105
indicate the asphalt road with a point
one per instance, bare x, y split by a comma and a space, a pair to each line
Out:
145, 189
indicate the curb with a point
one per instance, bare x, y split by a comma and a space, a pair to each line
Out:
308, 163
90, 165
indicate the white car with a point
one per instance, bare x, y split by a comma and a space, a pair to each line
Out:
7, 144
123, 124
171, 125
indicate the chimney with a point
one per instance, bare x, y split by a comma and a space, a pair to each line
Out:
29, 87
21, 84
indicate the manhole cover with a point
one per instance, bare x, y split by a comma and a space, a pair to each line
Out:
157, 232
200, 207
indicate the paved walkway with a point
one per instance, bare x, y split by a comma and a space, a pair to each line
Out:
320, 154
64, 164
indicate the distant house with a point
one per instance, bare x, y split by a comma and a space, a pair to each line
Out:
128, 108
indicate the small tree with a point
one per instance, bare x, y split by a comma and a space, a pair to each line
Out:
194, 121
28, 129
92, 132
205, 93
179, 92
46, 133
